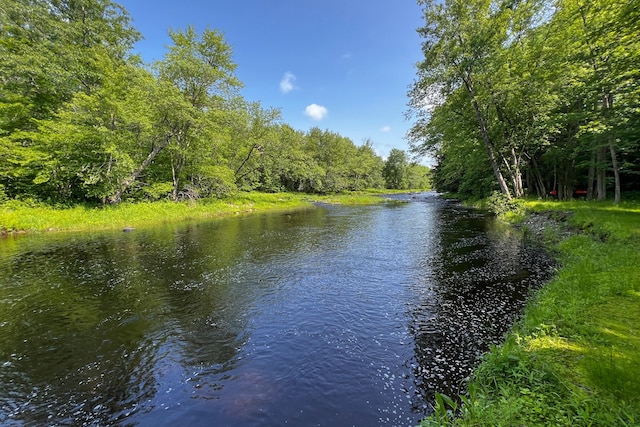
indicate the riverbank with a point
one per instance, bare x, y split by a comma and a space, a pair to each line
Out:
19, 217
574, 357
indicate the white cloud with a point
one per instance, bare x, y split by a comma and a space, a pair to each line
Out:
386, 129
316, 112
287, 82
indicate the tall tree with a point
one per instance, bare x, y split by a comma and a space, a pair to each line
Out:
197, 74
603, 43
465, 46
88, 147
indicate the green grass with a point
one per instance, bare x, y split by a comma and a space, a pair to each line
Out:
22, 217
574, 358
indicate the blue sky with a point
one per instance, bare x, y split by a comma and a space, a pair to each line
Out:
341, 65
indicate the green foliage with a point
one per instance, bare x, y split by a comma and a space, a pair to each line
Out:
501, 205
443, 412
216, 181
542, 95
419, 177
52, 52
3, 195
395, 170
82, 120
158, 191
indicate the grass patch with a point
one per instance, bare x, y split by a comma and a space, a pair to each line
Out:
30, 217
19, 217
574, 357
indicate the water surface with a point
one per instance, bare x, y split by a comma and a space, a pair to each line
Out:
336, 316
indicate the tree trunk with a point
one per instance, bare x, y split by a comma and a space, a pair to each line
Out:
592, 177
482, 126
607, 104
616, 171
516, 174
513, 168
117, 196
176, 183
601, 173
540, 187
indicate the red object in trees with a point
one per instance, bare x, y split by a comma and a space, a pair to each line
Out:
580, 193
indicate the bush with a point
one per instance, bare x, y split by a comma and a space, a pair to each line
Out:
158, 191
501, 205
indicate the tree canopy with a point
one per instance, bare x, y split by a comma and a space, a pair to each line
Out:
82, 119
529, 96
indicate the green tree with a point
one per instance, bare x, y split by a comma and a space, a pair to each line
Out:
285, 163
603, 45
396, 170
366, 168
91, 144
51, 51
332, 153
418, 177
467, 49
550, 88
254, 139
196, 75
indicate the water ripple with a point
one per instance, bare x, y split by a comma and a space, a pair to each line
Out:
335, 316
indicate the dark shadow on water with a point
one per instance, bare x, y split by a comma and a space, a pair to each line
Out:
482, 273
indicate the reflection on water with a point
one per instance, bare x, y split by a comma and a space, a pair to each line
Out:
332, 316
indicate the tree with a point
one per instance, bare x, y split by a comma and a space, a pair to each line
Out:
550, 87
466, 49
332, 154
418, 177
395, 170
197, 74
288, 165
366, 168
601, 58
458, 38
88, 147
51, 51
253, 140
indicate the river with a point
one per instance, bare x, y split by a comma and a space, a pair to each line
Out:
332, 316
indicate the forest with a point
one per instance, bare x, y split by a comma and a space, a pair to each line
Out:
530, 97
84, 120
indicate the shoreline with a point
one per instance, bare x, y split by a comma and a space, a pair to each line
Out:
573, 358
17, 218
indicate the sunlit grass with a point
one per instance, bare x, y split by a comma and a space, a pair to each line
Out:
603, 218
16, 217
22, 217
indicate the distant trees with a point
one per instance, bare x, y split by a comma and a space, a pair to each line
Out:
400, 174
84, 120
529, 96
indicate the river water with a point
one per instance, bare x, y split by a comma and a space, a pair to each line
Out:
333, 316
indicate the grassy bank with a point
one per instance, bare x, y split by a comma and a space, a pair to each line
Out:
17, 217
574, 358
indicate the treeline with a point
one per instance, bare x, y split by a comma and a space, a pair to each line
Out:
530, 96
82, 119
